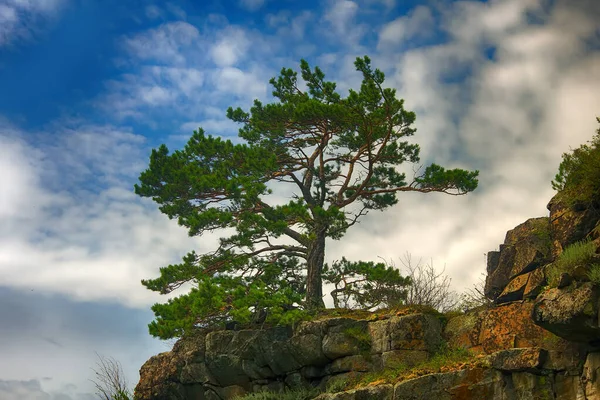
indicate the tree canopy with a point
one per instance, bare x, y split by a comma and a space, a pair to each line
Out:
335, 156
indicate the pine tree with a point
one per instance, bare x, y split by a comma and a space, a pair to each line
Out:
337, 158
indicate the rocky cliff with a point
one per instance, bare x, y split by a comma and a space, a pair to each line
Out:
539, 340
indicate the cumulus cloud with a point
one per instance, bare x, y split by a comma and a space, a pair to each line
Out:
418, 24
154, 86
241, 83
24, 20
84, 232
231, 47
341, 16
165, 44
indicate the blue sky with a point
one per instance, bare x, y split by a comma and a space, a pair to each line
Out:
88, 88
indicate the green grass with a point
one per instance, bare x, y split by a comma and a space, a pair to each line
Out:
577, 254
444, 357
594, 274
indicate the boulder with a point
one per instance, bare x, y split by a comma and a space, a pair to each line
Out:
569, 223
571, 312
407, 332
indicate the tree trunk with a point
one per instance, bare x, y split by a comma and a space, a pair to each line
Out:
314, 281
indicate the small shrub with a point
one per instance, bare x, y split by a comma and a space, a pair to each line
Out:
110, 381
577, 254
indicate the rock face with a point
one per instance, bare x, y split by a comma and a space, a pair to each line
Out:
571, 312
230, 363
570, 224
525, 248
524, 360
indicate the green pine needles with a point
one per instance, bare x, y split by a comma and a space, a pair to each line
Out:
337, 157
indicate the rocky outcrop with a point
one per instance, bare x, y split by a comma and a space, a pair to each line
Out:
228, 363
525, 248
523, 359
514, 374
534, 342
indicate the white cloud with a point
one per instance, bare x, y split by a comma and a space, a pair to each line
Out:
477, 22
231, 48
154, 86
252, 5
24, 19
84, 232
419, 23
241, 83
341, 14
165, 44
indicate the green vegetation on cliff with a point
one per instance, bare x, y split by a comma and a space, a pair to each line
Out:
578, 176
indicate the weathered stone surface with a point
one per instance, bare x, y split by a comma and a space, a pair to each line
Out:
276, 351
196, 372
569, 360
307, 349
514, 290
493, 259
159, 375
568, 387
383, 392
525, 248
349, 338
535, 284
569, 224
408, 358
357, 363
295, 380
523, 359
230, 392
502, 327
571, 313
408, 332
591, 376
530, 386
463, 330
473, 384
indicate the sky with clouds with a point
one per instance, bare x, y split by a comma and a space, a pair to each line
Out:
87, 89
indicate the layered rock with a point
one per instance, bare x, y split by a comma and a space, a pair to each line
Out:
230, 363
514, 374
525, 248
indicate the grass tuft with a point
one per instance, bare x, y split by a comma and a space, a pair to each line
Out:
577, 254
